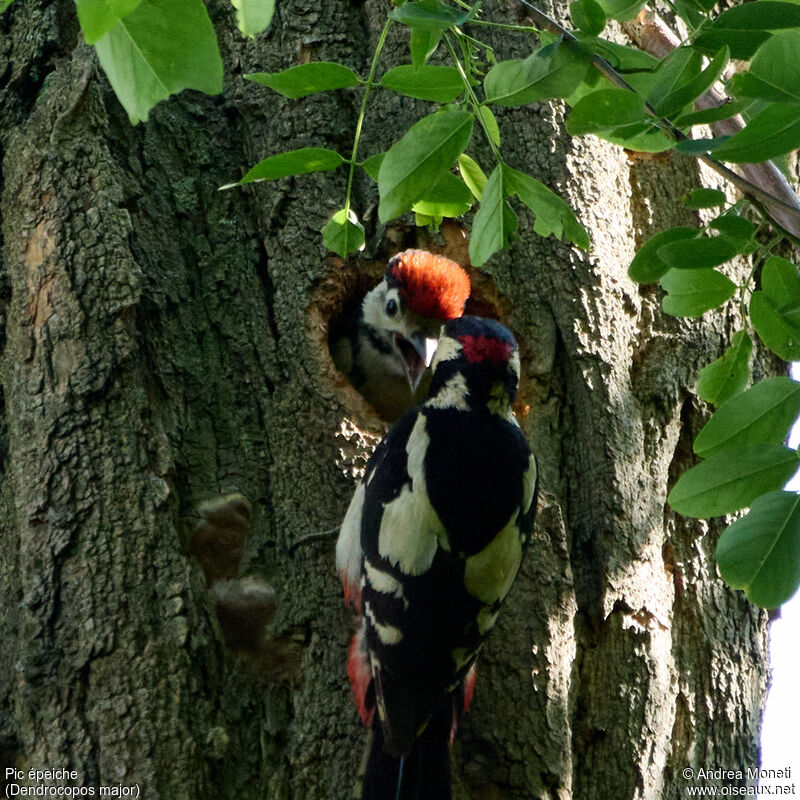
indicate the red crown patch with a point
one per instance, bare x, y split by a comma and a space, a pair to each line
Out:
432, 286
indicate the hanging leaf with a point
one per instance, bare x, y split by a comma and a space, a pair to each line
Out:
622, 10
437, 84
429, 15
316, 76
588, 15
295, 162
773, 132
704, 198
372, 165
473, 175
728, 375
489, 122
98, 17
699, 253
449, 197
693, 292
773, 75
746, 27
760, 552
551, 71
777, 332
423, 44
740, 232
764, 413
553, 215
675, 71
343, 233
490, 230
730, 481
253, 16
647, 265
159, 49
687, 90
416, 162
781, 283
708, 116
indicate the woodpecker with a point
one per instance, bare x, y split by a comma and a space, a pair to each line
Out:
390, 344
428, 550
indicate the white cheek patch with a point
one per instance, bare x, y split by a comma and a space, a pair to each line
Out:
447, 350
411, 531
452, 395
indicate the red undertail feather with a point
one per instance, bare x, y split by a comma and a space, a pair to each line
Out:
432, 286
360, 675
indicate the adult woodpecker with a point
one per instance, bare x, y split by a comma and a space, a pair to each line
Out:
428, 550
390, 344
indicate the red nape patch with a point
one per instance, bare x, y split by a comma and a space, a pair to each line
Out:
432, 286
360, 675
485, 348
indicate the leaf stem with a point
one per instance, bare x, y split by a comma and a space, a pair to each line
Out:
472, 97
359, 125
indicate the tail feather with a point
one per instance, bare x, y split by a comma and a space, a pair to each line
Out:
426, 769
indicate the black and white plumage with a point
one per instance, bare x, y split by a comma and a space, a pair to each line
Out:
390, 344
428, 550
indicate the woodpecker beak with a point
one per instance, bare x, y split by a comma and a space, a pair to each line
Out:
417, 354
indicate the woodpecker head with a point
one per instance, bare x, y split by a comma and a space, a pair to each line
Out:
405, 312
476, 365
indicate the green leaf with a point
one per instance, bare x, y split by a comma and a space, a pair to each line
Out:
160, 48
253, 16
738, 230
617, 115
495, 221
781, 283
764, 413
704, 198
687, 91
316, 76
4, 4
647, 266
698, 253
728, 375
372, 165
98, 17
774, 328
343, 234
295, 162
437, 84
730, 481
773, 75
473, 175
588, 15
693, 292
489, 122
429, 15
772, 132
423, 44
553, 215
555, 70
622, 10
744, 28
449, 197
760, 552
725, 111
417, 161
679, 68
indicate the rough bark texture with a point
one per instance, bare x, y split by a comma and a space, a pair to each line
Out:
165, 342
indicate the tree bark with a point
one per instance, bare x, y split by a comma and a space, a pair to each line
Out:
165, 342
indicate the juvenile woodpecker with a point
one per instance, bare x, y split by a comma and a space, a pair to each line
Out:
390, 344
428, 550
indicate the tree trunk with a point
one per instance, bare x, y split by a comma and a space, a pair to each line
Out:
165, 342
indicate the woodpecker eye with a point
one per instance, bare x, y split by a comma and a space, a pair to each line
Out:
391, 307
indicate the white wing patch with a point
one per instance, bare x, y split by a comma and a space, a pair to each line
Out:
348, 545
388, 634
411, 531
528, 483
488, 575
381, 581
